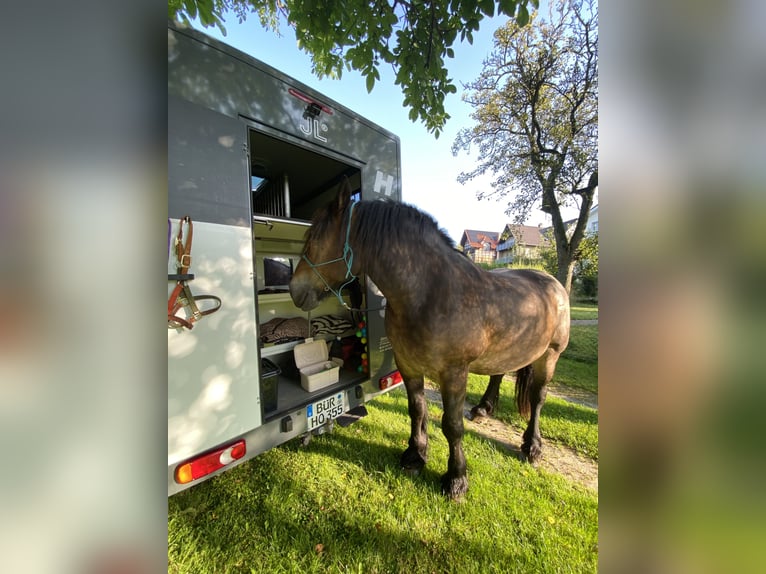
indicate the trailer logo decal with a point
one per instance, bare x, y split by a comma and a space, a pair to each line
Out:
314, 127
384, 183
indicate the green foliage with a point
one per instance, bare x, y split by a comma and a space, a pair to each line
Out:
548, 255
415, 37
586, 268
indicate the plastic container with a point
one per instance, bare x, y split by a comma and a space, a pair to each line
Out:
269, 389
316, 368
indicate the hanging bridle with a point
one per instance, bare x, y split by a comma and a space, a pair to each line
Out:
181, 296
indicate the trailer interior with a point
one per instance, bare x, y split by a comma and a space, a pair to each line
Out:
288, 183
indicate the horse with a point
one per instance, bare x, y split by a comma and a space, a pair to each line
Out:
444, 317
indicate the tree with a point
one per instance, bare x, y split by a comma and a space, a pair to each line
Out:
413, 36
536, 112
586, 268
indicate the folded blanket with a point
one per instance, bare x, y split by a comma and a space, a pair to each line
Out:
280, 330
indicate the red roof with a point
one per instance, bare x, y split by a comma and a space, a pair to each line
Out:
476, 239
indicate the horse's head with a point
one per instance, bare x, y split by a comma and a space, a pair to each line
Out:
325, 265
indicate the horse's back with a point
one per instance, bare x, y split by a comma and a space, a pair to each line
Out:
531, 309
536, 283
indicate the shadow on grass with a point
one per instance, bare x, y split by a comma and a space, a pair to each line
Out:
342, 503
281, 531
509, 448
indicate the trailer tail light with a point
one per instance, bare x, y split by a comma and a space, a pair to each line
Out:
210, 462
390, 380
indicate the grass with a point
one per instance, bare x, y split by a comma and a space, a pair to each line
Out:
569, 424
583, 311
342, 504
578, 364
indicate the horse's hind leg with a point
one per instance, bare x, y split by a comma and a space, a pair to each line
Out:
488, 403
542, 373
414, 458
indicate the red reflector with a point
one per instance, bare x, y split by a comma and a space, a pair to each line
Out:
390, 380
210, 462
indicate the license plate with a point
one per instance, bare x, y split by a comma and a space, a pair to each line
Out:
323, 411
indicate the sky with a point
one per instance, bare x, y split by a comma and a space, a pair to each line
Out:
429, 169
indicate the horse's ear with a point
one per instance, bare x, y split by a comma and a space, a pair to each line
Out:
344, 195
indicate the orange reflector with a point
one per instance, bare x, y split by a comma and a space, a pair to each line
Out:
390, 380
210, 462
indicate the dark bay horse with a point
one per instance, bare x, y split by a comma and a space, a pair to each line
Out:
444, 316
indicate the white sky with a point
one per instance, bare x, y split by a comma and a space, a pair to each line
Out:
429, 170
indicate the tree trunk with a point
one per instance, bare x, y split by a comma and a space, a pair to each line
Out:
565, 271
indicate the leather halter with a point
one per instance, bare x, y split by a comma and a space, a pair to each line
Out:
182, 297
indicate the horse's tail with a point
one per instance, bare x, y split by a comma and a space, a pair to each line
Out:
524, 377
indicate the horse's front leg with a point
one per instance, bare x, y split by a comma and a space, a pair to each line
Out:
414, 458
453, 385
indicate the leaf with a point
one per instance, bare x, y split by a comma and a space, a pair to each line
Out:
487, 7
449, 36
370, 82
191, 8
507, 7
522, 18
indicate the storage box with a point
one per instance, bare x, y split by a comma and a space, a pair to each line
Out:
317, 370
269, 391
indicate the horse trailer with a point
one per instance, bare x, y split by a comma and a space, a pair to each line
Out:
252, 153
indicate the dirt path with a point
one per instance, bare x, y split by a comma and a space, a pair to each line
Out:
556, 458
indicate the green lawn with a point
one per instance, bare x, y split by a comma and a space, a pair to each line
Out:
583, 311
578, 365
343, 505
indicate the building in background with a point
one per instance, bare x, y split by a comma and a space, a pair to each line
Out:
520, 242
480, 246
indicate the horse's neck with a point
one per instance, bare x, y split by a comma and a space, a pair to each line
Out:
400, 283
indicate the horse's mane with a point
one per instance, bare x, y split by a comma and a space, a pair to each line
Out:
385, 224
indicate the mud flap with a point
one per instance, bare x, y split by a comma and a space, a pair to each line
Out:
352, 416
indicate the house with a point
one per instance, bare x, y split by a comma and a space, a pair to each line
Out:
520, 241
479, 246
592, 227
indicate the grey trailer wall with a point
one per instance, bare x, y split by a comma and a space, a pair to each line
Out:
207, 165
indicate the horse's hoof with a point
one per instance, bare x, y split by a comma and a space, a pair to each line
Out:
532, 452
412, 462
483, 409
454, 488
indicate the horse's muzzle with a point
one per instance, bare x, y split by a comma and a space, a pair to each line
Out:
303, 294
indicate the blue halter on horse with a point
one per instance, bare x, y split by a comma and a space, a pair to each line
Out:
347, 257
445, 317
